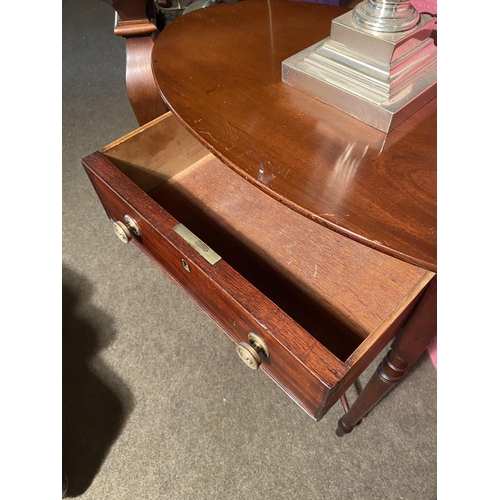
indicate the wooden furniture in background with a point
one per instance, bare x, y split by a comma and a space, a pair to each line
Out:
326, 227
135, 23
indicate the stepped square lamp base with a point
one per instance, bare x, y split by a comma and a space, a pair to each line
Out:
381, 78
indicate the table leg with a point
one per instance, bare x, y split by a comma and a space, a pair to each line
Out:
410, 343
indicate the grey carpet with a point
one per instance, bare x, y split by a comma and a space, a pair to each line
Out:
156, 404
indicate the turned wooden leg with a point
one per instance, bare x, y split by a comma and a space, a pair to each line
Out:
411, 342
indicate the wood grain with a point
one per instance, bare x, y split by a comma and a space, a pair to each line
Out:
409, 345
304, 368
225, 85
358, 286
352, 288
324, 304
134, 24
155, 152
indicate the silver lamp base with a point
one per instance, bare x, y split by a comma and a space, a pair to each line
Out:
381, 78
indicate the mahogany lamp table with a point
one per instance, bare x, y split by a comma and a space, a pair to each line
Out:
308, 236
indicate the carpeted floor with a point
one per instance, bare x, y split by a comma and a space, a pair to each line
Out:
147, 414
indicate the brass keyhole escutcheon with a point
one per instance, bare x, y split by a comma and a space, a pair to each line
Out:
185, 265
251, 353
123, 230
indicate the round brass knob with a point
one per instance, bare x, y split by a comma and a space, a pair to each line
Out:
132, 225
248, 355
251, 353
121, 230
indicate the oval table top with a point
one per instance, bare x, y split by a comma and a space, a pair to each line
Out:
219, 71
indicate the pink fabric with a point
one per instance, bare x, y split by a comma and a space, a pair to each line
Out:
429, 6
432, 350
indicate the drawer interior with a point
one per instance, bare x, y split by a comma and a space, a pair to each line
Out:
338, 290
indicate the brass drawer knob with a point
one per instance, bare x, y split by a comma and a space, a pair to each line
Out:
251, 353
123, 230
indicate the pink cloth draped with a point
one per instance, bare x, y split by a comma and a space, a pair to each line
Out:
432, 350
429, 6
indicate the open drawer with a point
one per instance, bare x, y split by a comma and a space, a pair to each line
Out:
309, 307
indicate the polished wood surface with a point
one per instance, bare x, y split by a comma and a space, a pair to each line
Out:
409, 345
357, 287
325, 305
134, 24
300, 364
224, 84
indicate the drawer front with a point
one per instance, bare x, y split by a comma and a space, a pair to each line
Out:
298, 363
